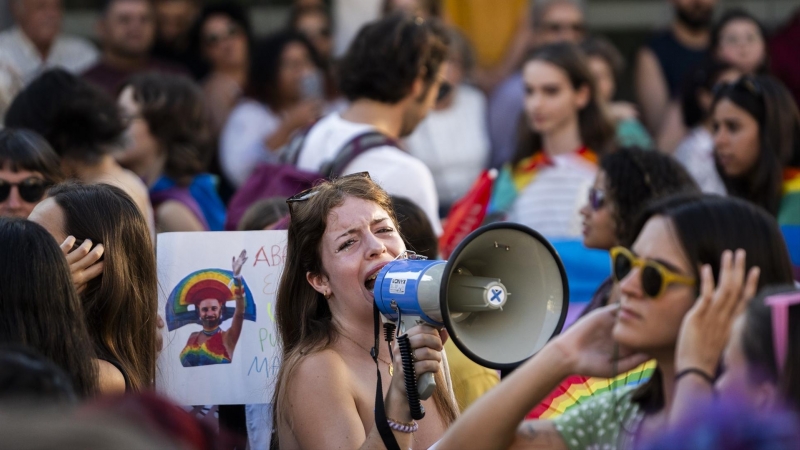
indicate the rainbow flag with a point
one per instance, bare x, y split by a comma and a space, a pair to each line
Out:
789, 216
512, 180
177, 311
576, 389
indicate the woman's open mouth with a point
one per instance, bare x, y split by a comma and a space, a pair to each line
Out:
370, 283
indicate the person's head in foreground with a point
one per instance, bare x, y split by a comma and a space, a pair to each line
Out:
39, 306
28, 167
341, 233
120, 302
659, 276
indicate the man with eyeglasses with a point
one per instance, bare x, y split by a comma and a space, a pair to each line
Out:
553, 21
392, 76
127, 31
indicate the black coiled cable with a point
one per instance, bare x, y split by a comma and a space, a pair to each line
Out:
410, 378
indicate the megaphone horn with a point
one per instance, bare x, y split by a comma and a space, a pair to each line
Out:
501, 296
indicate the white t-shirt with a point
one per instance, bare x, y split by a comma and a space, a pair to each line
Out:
696, 153
241, 144
454, 143
550, 204
71, 53
395, 171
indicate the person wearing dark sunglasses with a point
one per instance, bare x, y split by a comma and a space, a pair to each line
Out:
690, 252
756, 129
28, 168
626, 182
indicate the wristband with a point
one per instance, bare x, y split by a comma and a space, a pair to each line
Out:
402, 427
696, 371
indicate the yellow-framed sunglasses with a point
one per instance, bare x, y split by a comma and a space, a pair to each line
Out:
654, 276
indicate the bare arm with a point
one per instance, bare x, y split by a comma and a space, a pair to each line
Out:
320, 404
498, 413
538, 434
652, 92
173, 216
493, 422
672, 129
233, 333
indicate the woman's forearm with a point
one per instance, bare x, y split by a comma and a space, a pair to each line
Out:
492, 421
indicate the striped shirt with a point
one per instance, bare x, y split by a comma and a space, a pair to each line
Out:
550, 204
71, 53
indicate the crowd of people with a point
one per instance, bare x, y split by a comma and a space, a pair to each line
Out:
362, 128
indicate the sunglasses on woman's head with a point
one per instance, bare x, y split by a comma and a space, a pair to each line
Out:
310, 192
597, 198
746, 82
654, 276
30, 189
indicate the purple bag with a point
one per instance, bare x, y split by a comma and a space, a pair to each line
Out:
284, 179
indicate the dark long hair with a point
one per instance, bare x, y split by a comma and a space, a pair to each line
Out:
265, 66
771, 105
596, 130
759, 347
176, 114
121, 304
22, 149
702, 78
636, 177
39, 307
302, 315
706, 226
78, 119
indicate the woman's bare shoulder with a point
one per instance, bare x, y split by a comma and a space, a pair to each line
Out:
325, 366
109, 379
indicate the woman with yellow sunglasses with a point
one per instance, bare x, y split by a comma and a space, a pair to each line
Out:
659, 279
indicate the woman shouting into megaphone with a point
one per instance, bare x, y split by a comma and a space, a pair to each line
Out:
341, 234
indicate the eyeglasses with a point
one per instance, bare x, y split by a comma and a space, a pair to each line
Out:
654, 276
213, 39
445, 88
310, 192
555, 27
30, 189
779, 304
597, 198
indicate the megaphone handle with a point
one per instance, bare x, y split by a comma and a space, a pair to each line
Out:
410, 378
426, 385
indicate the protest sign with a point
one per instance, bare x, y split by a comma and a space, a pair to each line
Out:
217, 299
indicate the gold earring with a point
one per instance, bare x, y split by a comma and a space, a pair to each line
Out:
327, 295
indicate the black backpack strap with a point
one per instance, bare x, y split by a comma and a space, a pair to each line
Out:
290, 153
355, 148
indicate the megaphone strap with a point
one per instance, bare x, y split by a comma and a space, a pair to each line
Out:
381, 421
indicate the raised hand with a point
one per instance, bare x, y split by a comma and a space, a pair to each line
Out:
84, 261
238, 263
589, 348
706, 327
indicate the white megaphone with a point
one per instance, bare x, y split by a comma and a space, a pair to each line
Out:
501, 296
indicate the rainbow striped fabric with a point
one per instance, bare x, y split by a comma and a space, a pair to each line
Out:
789, 216
210, 352
576, 389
